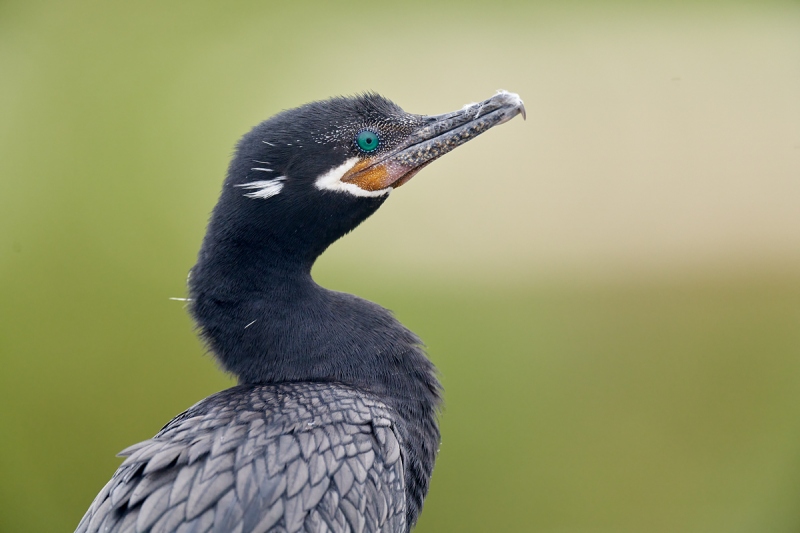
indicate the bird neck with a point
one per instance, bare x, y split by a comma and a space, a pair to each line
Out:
267, 321
289, 329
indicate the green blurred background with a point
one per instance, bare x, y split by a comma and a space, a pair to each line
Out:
611, 289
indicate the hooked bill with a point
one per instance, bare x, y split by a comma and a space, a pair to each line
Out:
438, 135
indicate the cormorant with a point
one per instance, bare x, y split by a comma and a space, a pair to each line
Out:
333, 424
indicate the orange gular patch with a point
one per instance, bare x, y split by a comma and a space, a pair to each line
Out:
370, 176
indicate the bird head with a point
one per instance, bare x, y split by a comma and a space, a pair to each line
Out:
306, 176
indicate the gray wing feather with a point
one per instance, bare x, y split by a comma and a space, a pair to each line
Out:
254, 459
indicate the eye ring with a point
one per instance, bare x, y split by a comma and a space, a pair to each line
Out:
367, 141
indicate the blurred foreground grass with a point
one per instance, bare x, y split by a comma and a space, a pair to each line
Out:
659, 407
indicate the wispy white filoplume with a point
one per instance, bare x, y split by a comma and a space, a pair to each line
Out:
263, 189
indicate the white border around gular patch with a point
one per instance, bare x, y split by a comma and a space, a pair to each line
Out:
332, 181
263, 189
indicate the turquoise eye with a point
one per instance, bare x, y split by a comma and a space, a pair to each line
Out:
367, 140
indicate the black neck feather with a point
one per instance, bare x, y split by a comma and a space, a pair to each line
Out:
267, 321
